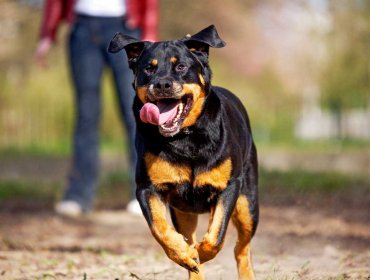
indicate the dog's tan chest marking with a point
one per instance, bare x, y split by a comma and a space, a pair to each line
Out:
217, 177
162, 172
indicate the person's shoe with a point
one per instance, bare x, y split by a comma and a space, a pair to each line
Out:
68, 208
133, 207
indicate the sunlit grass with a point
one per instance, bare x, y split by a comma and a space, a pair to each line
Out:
275, 187
37, 111
305, 188
113, 191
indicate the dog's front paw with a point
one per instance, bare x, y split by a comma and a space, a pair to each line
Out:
181, 253
191, 261
207, 250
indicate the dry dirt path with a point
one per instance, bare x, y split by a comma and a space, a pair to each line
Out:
291, 243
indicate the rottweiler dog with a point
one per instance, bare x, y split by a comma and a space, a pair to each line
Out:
195, 150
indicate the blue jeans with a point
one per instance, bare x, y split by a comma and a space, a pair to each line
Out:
88, 42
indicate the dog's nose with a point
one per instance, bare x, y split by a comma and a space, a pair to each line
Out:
163, 85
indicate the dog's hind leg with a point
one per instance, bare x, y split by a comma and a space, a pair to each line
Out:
186, 224
243, 222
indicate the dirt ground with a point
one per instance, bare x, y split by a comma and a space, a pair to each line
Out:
321, 238
291, 243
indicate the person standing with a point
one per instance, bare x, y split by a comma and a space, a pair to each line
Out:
93, 24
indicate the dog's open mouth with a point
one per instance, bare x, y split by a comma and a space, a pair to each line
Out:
168, 113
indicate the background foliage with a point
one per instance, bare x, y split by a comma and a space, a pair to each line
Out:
275, 50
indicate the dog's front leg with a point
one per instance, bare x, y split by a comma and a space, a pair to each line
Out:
219, 219
173, 243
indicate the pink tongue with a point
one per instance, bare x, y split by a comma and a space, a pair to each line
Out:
150, 113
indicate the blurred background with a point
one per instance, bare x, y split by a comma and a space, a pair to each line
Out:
302, 69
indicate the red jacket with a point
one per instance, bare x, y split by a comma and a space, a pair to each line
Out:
140, 13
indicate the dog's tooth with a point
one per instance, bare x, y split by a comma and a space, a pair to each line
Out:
151, 88
180, 110
176, 119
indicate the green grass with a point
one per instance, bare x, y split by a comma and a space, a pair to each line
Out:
27, 195
113, 192
38, 111
303, 181
300, 187
40, 120
275, 188
317, 146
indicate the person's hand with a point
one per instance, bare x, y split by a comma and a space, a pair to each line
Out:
42, 50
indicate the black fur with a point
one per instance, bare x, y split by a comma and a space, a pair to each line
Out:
222, 130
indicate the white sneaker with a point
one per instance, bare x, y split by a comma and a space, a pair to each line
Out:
68, 208
133, 207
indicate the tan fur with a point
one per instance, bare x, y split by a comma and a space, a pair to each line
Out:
209, 248
172, 242
162, 172
217, 177
198, 101
154, 62
243, 222
142, 93
202, 81
173, 60
187, 224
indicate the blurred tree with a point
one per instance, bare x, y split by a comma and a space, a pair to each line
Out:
345, 82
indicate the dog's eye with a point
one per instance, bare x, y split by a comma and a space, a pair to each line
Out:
181, 67
149, 70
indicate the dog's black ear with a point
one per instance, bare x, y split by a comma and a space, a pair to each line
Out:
132, 46
204, 39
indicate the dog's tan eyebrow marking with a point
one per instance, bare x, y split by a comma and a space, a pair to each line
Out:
173, 60
154, 62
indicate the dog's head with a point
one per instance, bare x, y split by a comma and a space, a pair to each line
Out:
172, 78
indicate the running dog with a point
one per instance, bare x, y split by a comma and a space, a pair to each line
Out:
195, 150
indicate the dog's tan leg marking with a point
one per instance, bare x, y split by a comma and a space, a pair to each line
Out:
211, 245
187, 225
217, 177
171, 241
243, 222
